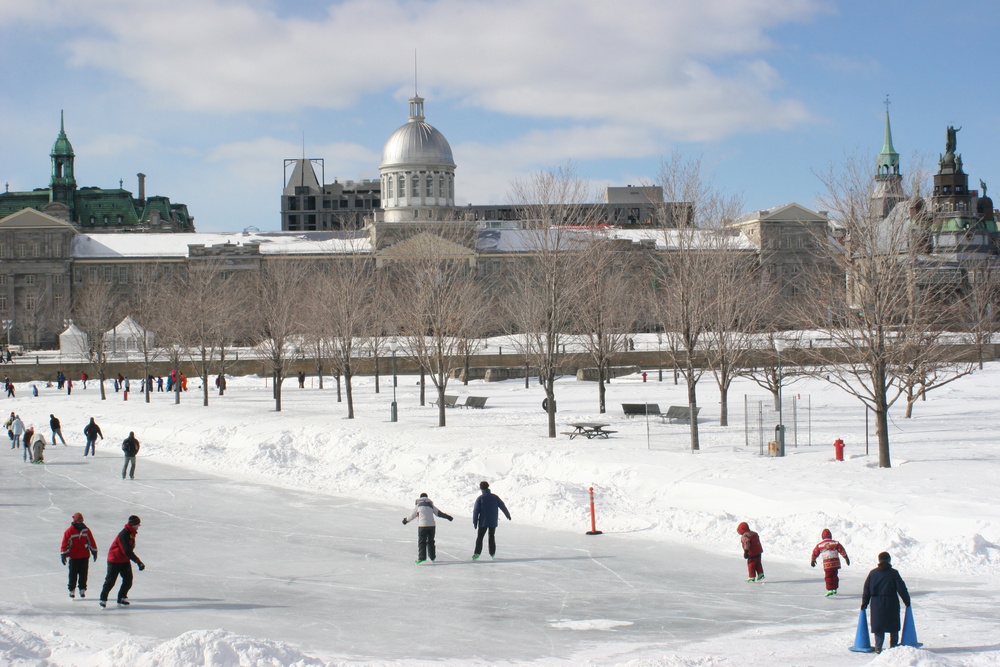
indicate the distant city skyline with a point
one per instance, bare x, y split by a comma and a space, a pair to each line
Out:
208, 97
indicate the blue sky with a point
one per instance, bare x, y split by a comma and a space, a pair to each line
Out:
206, 97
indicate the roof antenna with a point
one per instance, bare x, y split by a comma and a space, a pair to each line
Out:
302, 171
415, 73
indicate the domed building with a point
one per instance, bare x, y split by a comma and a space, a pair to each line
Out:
417, 171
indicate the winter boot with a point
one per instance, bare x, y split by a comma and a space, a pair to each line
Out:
475, 556
831, 593
760, 576
71, 593
83, 592
418, 562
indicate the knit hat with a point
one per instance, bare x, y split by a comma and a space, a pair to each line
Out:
134, 520
827, 535
77, 517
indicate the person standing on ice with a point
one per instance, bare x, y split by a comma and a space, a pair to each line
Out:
56, 430
120, 554
16, 429
92, 431
751, 551
131, 447
882, 587
485, 517
424, 513
38, 445
830, 550
77, 544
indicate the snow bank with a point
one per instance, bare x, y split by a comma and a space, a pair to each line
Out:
205, 648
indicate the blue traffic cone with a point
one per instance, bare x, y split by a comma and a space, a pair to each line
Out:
909, 637
861, 642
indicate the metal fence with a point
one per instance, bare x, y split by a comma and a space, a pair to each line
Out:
760, 416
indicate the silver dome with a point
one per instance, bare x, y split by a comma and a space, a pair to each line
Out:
416, 143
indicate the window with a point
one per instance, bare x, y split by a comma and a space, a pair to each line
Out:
326, 203
293, 204
440, 186
310, 204
301, 189
389, 191
30, 301
123, 274
22, 250
57, 300
78, 275
451, 188
359, 203
416, 186
3, 249
29, 279
119, 220
402, 186
430, 187
93, 274
293, 223
109, 273
3, 302
57, 279
311, 223
105, 219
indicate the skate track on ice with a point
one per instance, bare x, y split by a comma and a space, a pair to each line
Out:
336, 577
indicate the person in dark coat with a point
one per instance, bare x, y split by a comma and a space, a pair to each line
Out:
77, 544
92, 431
56, 430
485, 517
131, 447
120, 554
882, 587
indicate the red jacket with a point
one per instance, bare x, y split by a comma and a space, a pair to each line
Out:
77, 542
751, 544
123, 548
829, 548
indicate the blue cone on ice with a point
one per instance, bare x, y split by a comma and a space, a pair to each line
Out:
861, 642
909, 637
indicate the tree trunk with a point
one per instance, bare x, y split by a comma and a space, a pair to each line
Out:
277, 391
527, 373
441, 416
103, 395
204, 377
319, 372
724, 404
692, 387
550, 394
882, 430
600, 389
337, 374
466, 380
349, 389
222, 370
376, 375
423, 376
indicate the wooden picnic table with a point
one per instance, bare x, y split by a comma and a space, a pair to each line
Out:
588, 430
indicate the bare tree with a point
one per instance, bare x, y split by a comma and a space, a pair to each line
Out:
96, 310
681, 278
435, 295
542, 288
976, 309
275, 315
346, 301
207, 287
379, 326
146, 308
605, 309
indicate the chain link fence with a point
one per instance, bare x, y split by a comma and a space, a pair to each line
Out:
761, 416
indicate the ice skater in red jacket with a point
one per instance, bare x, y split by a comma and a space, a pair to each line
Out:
830, 550
77, 546
120, 555
751, 551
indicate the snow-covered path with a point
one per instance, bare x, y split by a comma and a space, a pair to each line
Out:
337, 577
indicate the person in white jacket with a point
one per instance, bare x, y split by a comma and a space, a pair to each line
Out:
424, 513
38, 444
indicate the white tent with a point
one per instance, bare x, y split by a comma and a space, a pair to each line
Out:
73, 342
126, 337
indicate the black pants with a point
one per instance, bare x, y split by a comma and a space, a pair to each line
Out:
425, 543
78, 568
493, 541
880, 637
115, 569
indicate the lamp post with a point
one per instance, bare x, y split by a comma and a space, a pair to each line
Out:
779, 435
177, 374
393, 414
659, 359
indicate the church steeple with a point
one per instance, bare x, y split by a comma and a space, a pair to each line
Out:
62, 187
888, 159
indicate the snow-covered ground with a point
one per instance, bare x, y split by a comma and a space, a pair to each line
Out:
283, 529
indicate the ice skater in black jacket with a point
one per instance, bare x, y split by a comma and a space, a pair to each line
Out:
424, 513
485, 517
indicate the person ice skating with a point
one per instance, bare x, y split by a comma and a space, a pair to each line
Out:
38, 445
751, 551
159, 384
830, 551
26, 442
9, 425
92, 431
69, 387
131, 447
485, 517
302, 380
424, 513
882, 587
10, 390
77, 544
120, 555
83, 378
56, 430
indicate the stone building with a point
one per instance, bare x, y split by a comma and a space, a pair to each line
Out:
309, 206
92, 209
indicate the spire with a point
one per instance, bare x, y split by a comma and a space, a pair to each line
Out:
888, 159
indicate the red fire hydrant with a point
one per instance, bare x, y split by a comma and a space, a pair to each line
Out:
644, 376
838, 446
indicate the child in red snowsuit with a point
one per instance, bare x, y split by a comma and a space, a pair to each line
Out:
751, 551
830, 550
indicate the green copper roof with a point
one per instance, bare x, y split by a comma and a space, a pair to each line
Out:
888, 159
62, 145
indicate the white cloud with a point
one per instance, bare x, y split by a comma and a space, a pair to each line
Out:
255, 162
688, 71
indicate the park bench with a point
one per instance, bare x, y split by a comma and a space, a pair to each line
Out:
633, 409
680, 412
449, 401
478, 402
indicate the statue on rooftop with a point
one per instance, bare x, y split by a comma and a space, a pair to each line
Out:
952, 142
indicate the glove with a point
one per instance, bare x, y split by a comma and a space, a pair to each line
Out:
142, 566
63, 557
863, 607
95, 556
746, 554
847, 559
404, 522
450, 518
813, 564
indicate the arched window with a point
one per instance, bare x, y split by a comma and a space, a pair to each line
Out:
451, 187
388, 181
416, 186
440, 186
402, 185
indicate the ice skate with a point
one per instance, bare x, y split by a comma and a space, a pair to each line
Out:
418, 562
831, 593
475, 556
71, 594
123, 601
760, 577
103, 603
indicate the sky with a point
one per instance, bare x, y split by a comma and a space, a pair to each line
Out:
207, 97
